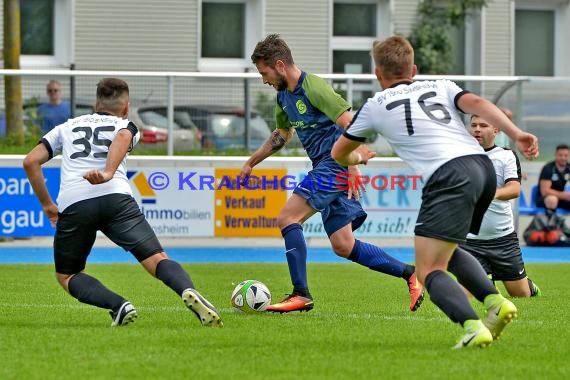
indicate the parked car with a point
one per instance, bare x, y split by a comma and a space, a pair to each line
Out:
153, 127
222, 127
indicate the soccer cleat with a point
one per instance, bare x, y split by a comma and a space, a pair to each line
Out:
416, 292
293, 302
500, 312
204, 310
125, 315
476, 335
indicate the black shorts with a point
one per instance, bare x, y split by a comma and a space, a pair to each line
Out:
116, 215
456, 197
563, 204
500, 257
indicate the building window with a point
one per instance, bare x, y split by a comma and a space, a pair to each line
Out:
344, 20
46, 33
352, 62
534, 42
351, 41
223, 30
356, 24
36, 27
228, 33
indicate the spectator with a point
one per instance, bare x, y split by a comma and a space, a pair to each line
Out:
54, 112
553, 178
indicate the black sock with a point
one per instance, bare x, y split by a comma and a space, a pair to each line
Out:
91, 291
446, 294
471, 274
408, 271
173, 276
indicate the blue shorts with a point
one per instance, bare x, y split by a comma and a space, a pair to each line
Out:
323, 190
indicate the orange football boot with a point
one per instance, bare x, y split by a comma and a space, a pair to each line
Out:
416, 292
292, 302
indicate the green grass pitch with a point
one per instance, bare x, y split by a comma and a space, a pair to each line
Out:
361, 328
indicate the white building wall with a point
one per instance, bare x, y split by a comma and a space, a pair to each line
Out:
136, 35
404, 16
498, 49
305, 26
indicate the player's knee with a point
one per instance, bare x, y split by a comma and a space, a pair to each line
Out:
283, 221
342, 248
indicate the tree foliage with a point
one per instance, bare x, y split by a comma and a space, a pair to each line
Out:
430, 37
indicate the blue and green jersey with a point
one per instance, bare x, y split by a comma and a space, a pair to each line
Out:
312, 109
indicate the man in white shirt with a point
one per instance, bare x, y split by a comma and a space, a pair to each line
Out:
95, 195
422, 122
496, 246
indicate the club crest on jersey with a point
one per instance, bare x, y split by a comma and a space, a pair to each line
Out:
301, 107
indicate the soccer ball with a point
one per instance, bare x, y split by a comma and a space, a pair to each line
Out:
251, 296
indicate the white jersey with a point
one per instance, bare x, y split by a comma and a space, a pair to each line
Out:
84, 143
421, 122
498, 220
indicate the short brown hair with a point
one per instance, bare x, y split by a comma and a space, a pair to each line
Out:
272, 49
394, 56
112, 95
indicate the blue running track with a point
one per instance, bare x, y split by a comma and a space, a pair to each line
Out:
43, 255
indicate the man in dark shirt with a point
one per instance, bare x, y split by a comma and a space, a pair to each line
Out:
553, 179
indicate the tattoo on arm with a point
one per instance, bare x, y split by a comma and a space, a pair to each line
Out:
277, 141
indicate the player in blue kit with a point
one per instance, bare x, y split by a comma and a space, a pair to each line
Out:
308, 105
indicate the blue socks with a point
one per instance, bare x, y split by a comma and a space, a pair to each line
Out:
376, 259
296, 252
362, 253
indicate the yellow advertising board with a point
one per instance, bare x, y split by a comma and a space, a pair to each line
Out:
249, 209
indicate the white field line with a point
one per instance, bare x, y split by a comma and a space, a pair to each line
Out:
333, 315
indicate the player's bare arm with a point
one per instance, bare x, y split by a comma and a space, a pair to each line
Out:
117, 152
511, 190
356, 189
344, 119
526, 143
33, 167
279, 137
349, 152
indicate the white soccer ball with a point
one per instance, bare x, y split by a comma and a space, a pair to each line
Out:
251, 296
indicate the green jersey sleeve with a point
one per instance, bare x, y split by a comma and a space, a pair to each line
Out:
323, 96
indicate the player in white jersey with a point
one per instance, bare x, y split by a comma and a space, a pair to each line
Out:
496, 246
95, 195
421, 120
